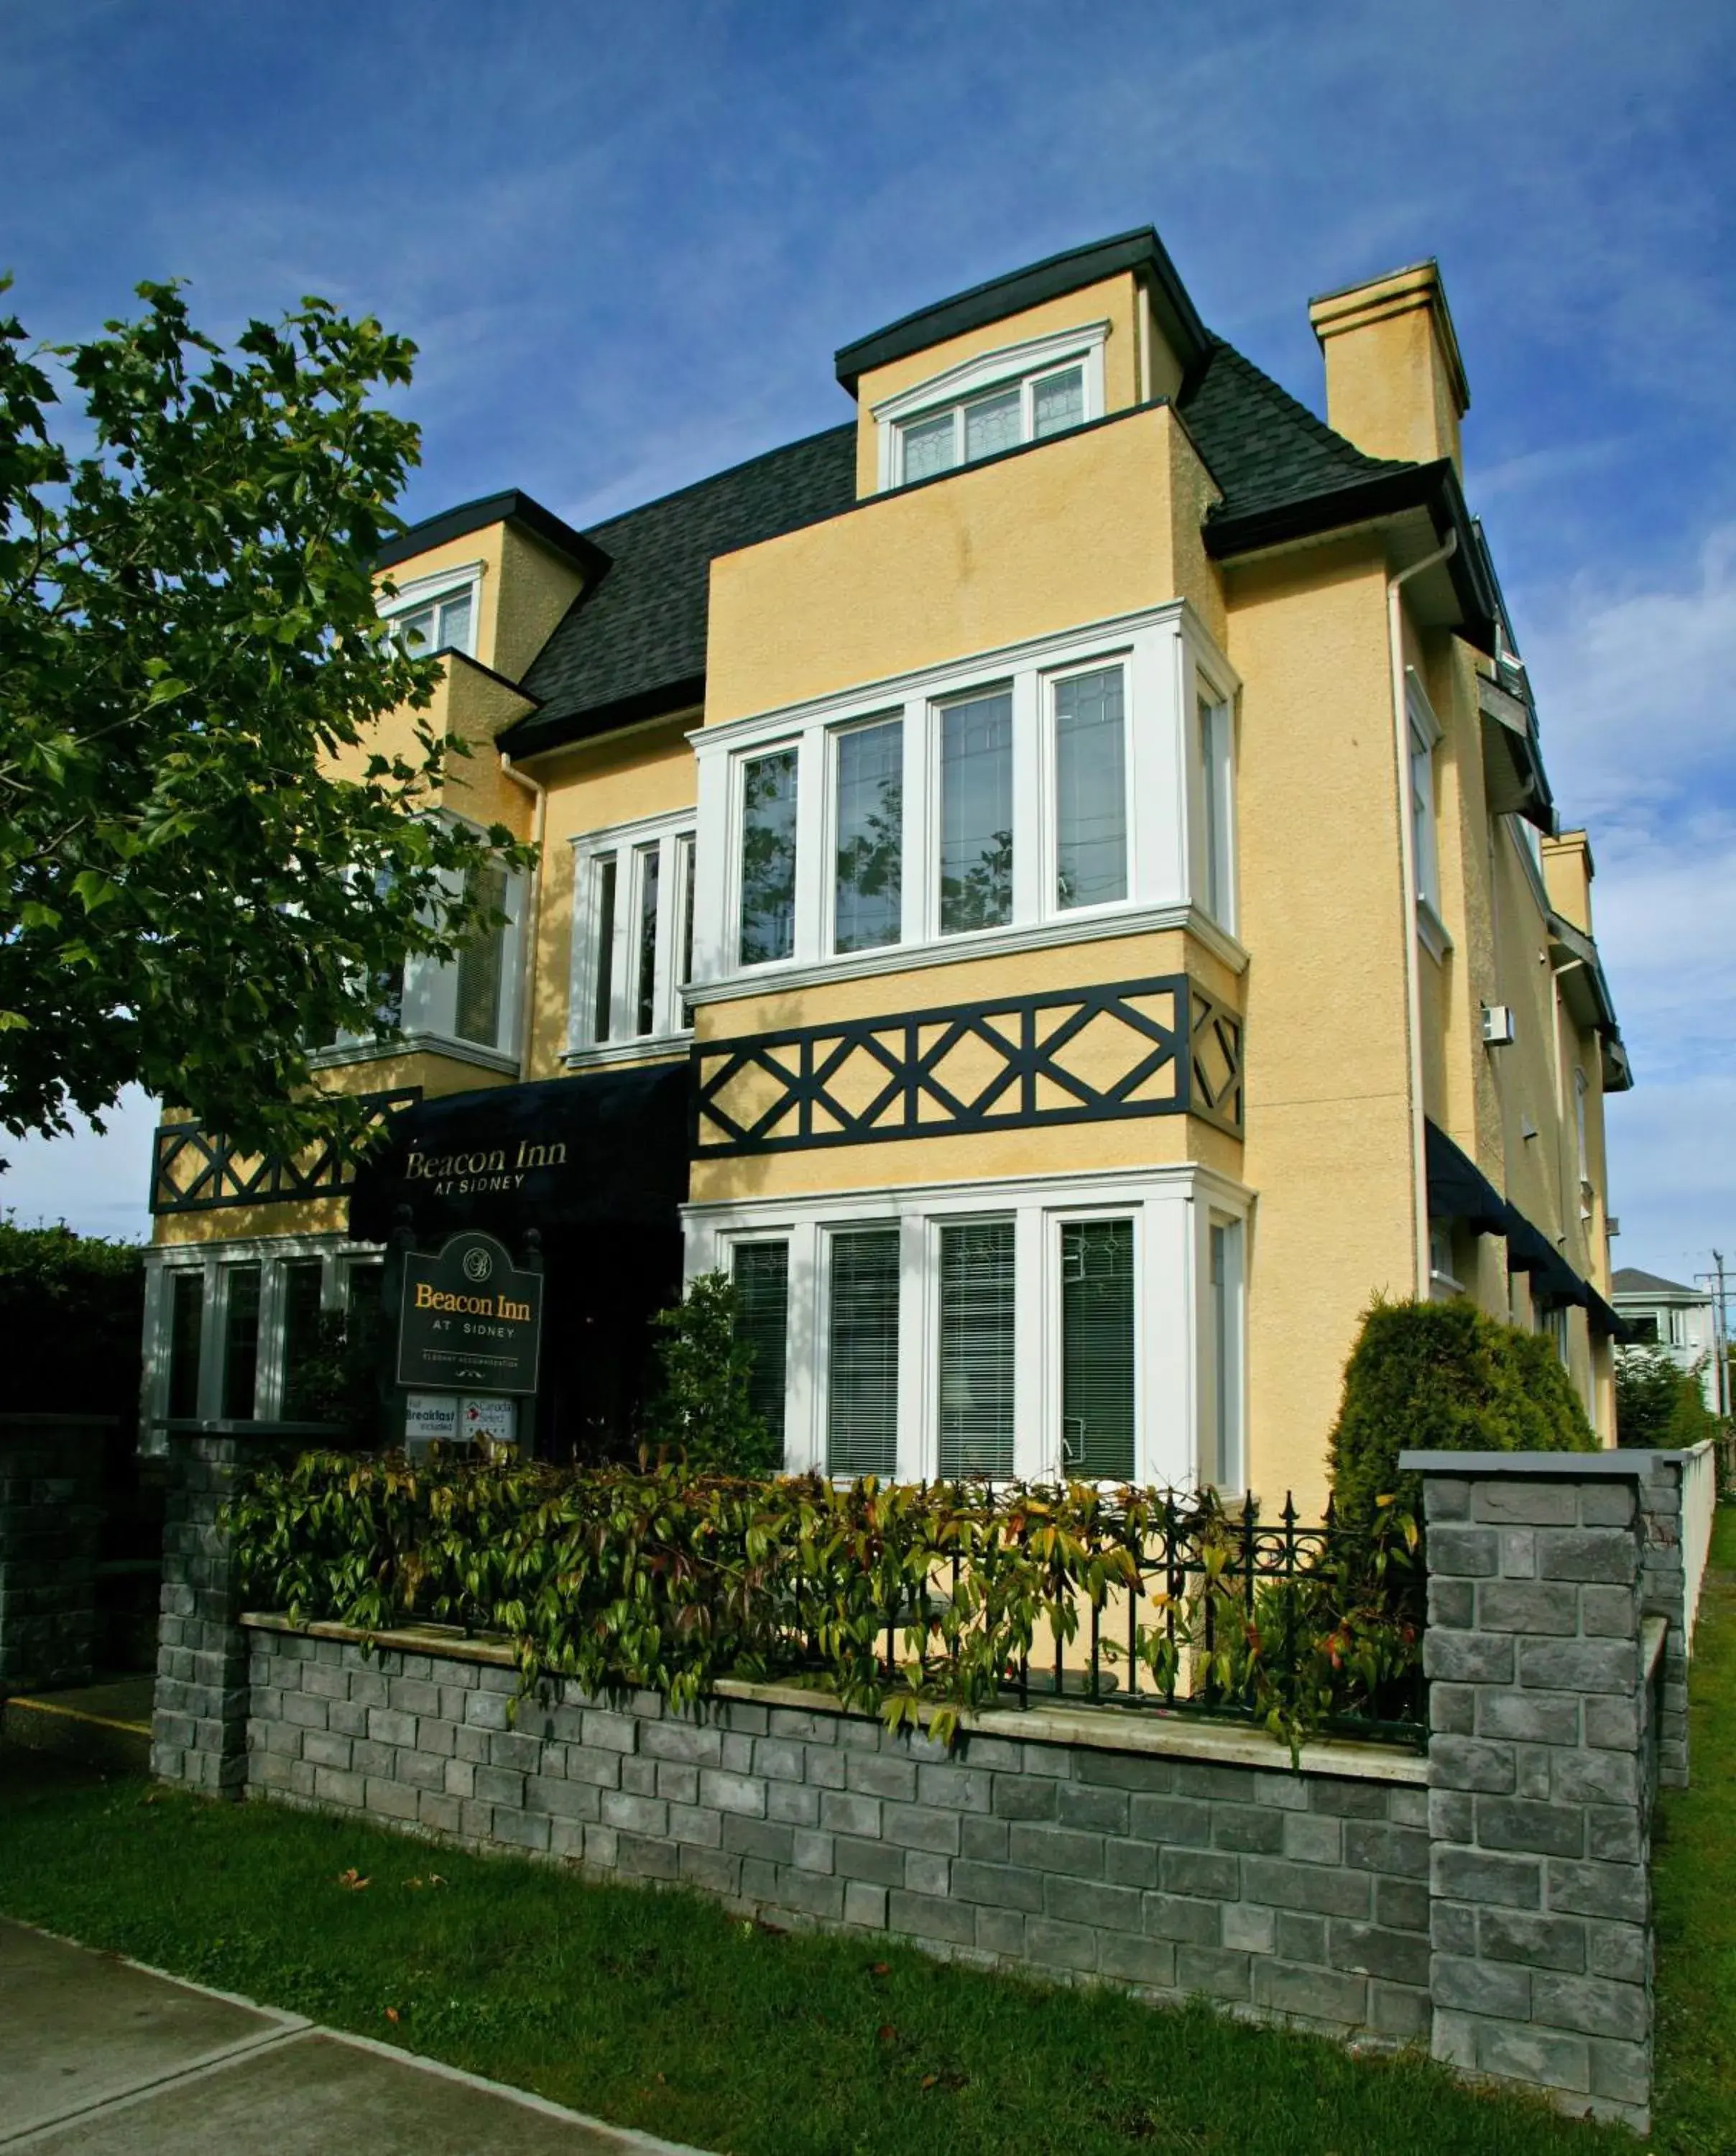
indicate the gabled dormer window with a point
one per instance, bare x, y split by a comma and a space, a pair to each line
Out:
1000, 400
437, 614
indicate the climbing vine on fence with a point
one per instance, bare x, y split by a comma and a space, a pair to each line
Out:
918, 1602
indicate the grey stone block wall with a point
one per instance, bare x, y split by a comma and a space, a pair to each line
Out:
50, 1522
1542, 1766
1664, 1593
1299, 1897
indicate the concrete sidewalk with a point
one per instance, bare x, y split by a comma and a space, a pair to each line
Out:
100, 2057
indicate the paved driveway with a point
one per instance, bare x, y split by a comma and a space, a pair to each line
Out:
101, 2058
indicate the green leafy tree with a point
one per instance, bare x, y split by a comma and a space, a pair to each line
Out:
1658, 1403
702, 1410
208, 865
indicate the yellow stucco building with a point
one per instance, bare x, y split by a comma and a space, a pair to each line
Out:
1050, 883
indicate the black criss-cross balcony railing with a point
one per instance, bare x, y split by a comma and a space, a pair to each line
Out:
195, 1170
1159, 1046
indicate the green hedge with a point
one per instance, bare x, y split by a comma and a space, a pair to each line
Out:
72, 1307
1440, 1377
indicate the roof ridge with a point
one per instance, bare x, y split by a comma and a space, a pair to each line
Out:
1274, 392
711, 479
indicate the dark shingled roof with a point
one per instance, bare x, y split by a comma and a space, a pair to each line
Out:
1629, 1280
1260, 445
633, 645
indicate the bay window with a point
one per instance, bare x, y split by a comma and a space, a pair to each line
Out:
633, 936
1088, 1327
436, 614
1063, 788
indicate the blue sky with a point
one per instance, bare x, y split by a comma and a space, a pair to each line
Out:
627, 241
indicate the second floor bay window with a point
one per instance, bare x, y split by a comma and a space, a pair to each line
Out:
1080, 785
633, 936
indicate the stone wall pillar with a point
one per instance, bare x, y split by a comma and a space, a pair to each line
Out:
1664, 1593
1541, 1767
51, 1470
198, 1726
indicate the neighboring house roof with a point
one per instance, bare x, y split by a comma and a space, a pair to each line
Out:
1629, 1280
633, 645
512, 506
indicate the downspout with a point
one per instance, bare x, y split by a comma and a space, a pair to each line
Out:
1407, 870
533, 907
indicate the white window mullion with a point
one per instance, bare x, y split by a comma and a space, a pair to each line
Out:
1033, 846
804, 1430
1170, 1409
1037, 1451
918, 1273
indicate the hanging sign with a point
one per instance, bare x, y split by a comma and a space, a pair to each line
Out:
470, 1320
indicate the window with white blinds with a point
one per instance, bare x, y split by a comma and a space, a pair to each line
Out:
861, 1387
978, 1345
1097, 1349
762, 1326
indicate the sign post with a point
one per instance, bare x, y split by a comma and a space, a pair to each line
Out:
469, 1340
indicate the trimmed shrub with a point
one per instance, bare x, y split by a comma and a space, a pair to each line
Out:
702, 1410
75, 1307
1440, 1377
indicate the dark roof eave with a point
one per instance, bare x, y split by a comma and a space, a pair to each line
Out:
1138, 251
1434, 487
541, 731
510, 506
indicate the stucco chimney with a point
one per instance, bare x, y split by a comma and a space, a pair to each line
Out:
1395, 383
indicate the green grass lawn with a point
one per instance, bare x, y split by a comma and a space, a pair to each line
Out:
1694, 1876
657, 2010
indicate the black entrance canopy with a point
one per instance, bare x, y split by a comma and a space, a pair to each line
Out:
1458, 1189
610, 1148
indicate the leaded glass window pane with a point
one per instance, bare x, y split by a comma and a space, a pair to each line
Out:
991, 424
762, 1324
241, 1341
930, 446
602, 1001
768, 858
1058, 401
645, 953
870, 840
976, 813
978, 1340
482, 962
1097, 1349
186, 1332
1090, 789
862, 1398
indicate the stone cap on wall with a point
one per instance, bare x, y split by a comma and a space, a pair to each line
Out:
1532, 1466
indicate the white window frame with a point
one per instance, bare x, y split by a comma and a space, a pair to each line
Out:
438, 590
1171, 1209
630, 844
829, 835
1211, 795
213, 1264
1211, 1216
1167, 661
1015, 364
1424, 735
1048, 822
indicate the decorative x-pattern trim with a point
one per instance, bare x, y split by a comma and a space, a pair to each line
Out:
1155, 1047
195, 1170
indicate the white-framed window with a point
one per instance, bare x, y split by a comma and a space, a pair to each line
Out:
438, 612
1581, 1088
467, 1004
1059, 790
633, 936
1000, 400
1090, 1327
1424, 734
228, 1326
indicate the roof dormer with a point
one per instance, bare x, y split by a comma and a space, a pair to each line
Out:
1022, 358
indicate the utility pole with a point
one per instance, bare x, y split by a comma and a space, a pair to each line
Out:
1720, 1332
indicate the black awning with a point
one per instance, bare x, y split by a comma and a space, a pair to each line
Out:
609, 1148
1529, 1251
1458, 1189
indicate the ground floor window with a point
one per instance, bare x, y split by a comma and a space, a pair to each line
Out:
246, 1332
1093, 1329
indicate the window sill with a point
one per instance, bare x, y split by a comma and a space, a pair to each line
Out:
644, 1048
414, 1044
979, 943
1431, 931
